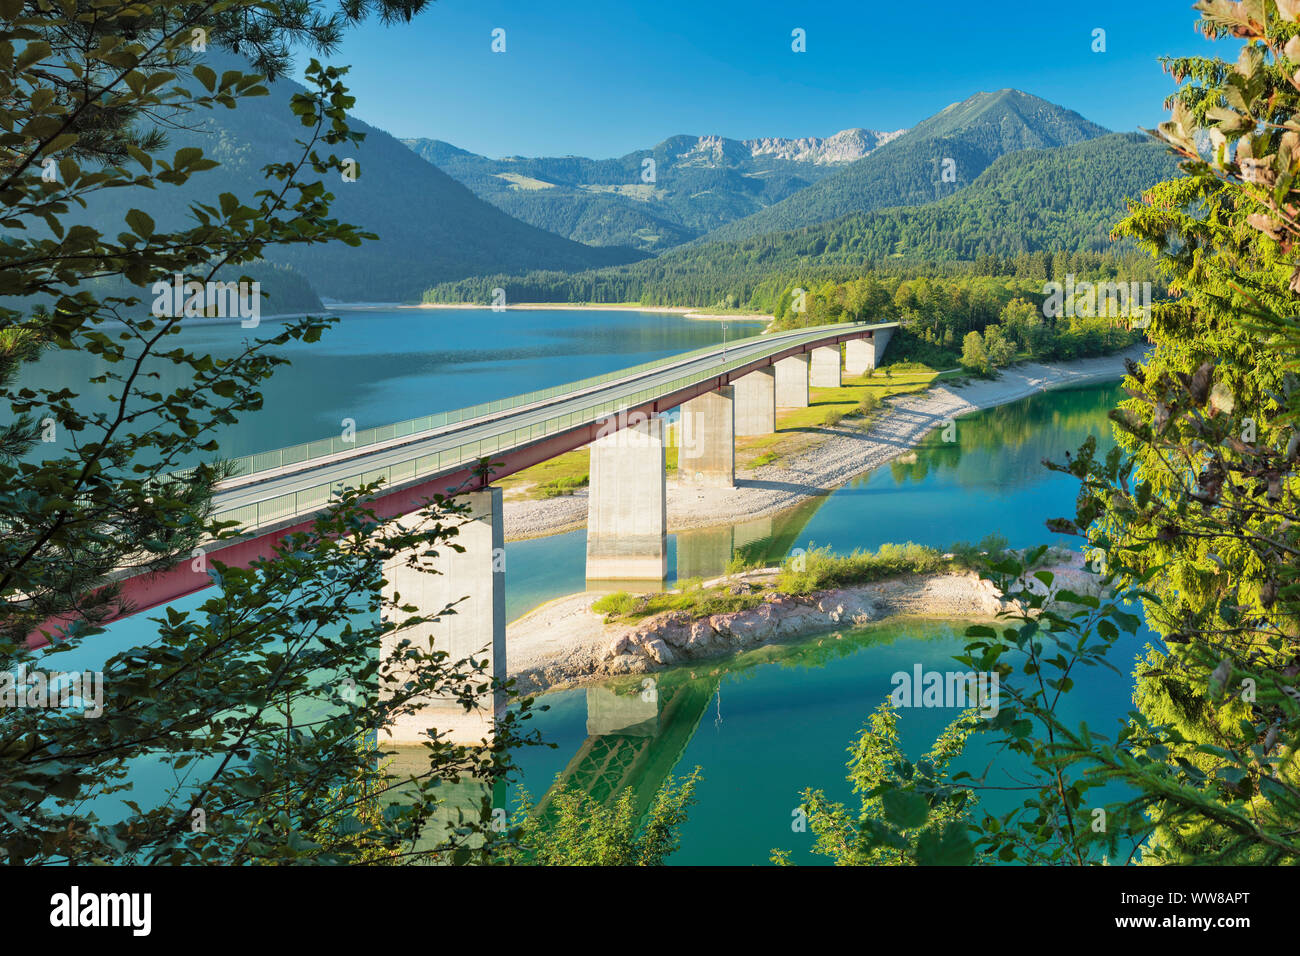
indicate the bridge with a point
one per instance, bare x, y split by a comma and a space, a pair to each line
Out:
724, 392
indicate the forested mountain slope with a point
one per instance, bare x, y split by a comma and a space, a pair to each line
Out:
430, 227
1035, 202
964, 140
699, 183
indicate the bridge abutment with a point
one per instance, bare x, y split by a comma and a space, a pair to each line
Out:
756, 403
706, 454
825, 367
792, 381
474, 582
627, 505
880, 338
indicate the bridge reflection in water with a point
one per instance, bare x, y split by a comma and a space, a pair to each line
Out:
706, 552
637, 731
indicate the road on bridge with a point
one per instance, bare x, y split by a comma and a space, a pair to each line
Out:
239, 496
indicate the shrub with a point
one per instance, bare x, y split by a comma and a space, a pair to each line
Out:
991, 548
820, 569
618, 604
869, 404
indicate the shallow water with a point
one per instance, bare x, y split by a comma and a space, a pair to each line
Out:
765, 725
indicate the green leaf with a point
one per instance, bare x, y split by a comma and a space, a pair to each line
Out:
141, 223
905, 809
207, 76
952, 847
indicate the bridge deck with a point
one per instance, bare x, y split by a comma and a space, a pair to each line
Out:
290, 486
516, 437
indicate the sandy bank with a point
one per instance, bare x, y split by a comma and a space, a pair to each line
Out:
843, 453
564, 643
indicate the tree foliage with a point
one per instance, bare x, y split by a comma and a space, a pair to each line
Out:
241, 732
909, 815
1194, 514
573, 829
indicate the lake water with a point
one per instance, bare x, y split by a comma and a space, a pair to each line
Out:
767, 724
762, 726
379, 366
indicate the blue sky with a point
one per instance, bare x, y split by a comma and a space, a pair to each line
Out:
604, 77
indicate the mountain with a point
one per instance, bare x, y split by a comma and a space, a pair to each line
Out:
431, 228
844, 147
1030, 203
909, 169
699, 183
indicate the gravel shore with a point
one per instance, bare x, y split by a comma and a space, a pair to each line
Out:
842, 455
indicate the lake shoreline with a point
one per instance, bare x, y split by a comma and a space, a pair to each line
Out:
843, 454
687, 312
564, 643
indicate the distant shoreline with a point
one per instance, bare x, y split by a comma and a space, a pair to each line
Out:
682, 310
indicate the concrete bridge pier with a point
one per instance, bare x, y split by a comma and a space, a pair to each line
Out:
859, 355
706, 453
880, 338
756, 403
627, 505
825, 367
863, 354
474, 582
792, 381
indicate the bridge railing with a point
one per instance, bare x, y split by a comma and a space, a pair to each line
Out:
322, 448
248, 465
309, 500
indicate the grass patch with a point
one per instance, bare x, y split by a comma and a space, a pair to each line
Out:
561, 486
692, 598
570, 467
821, 570
816, 570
